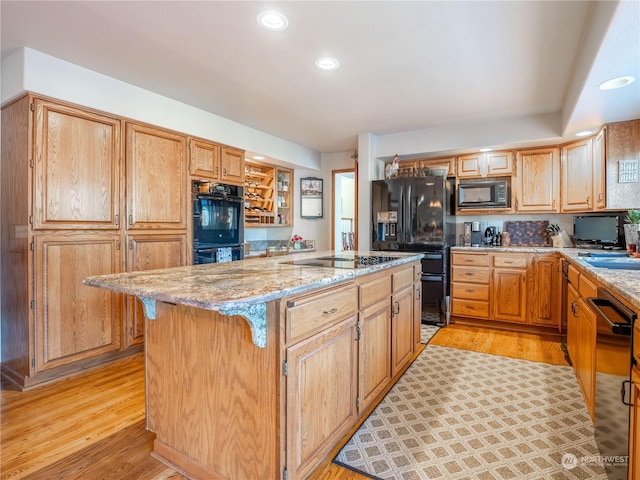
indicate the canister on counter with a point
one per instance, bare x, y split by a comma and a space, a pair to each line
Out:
506, 239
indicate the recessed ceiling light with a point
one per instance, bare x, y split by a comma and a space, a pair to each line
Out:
616, 83
584, 133
272, 20
485, 149
327, 63
258, 157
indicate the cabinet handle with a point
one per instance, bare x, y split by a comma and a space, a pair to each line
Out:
117, 219
553, 204
589, 201
224, 172
600, 197
333, 310
130, 220
573, 309
397, 311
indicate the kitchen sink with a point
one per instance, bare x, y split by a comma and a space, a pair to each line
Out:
622, 262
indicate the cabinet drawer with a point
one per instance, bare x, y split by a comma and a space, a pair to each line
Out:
587, 288
470, 292
470, 275
375, 291
574, 276
471, 259
510, 260
313, 313
470, 308
402, 279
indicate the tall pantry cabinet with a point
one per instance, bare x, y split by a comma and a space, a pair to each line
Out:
66, 197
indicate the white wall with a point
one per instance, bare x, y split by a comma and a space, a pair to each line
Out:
32, 71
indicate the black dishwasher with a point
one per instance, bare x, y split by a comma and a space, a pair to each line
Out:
614, 325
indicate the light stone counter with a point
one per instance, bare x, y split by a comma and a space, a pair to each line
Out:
238, 288
623, 283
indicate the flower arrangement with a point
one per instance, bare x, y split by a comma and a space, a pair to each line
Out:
296, 238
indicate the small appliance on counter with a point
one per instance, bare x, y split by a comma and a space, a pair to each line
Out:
476, 234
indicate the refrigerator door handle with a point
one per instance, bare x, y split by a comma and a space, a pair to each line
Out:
408, 232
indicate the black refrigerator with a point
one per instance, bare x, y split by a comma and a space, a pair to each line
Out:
416, 214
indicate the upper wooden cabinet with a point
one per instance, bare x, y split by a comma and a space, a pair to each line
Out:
76, 168
538, 173
493, 164
204, 159
232, 165
211, 161
156, 178
583, 179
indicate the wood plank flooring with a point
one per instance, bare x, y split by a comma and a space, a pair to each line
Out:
92, 426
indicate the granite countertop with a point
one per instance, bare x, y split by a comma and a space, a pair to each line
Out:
238, 288
624, 283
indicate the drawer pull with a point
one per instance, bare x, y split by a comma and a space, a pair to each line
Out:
333, 310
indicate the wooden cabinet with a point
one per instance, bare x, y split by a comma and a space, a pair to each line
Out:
232, 165
74, 321
634, 425
493, 164
417, 315
375, 338
583, 179
156, 179
545, 290
586, 363
538, 173
147, 252
321, 394
470, 277
76, 168
599, 176
572, 322
401, 319
322, 334
514, 287
204, 159
284, 193
509, 287
259, 192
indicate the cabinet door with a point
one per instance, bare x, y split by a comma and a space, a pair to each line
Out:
401, 329
586, 368
538, 173
417, 315
470, 165
546, 291
204, 159
148, 252
156, 179
499, 163
75, 321
577, 177
599, 178
232, 166
634, 426
509, 295
319, 412
374, 352
77, 168
572, 326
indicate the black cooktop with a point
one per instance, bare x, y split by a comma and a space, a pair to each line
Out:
346, 261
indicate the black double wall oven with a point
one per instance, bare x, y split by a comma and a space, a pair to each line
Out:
218, 223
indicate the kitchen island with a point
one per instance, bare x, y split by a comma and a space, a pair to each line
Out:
258, 368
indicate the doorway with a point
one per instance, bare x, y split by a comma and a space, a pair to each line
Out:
344, 210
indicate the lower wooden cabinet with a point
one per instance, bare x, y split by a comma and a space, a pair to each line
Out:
513, 287
572, 322
74, 321
509, 287
375, 352
634, 426
401, 328
585, 365
148, 252
322, 385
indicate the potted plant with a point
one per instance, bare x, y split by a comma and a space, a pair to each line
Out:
632, 224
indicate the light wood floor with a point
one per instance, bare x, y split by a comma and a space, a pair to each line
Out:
92, 426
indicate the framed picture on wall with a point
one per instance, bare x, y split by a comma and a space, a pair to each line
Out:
311, 196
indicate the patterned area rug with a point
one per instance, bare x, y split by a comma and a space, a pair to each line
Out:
457, 415
428, 331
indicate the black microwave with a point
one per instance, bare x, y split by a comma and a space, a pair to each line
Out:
483, 194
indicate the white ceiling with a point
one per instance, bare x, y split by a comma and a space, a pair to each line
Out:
405, 66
